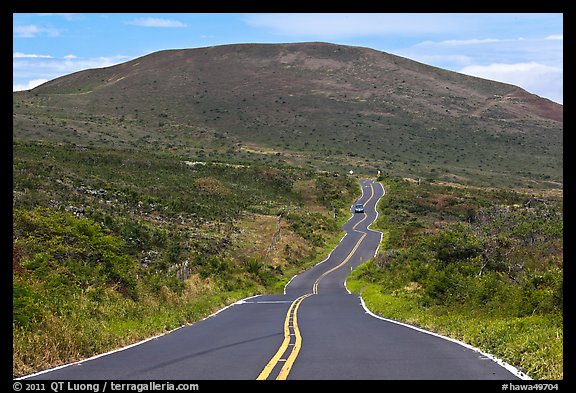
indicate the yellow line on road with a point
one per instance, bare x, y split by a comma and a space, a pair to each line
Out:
368, 200
315, 287
283, 374
291, 320
292, 314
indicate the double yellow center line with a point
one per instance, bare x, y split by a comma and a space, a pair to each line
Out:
292, 336
315, 287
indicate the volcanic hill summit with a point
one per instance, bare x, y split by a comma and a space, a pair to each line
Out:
320, 102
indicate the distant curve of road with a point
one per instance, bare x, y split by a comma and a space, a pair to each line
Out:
316, 330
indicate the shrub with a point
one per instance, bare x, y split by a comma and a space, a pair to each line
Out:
455, 244
66, 255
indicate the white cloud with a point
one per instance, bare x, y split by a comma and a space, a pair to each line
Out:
20, 55
540, 79
30, 70
559, 37
534, 64
36, 66
31, 31
510, 69
336, 25
28, 85
473, 41
66, 16
156, 22
459, 53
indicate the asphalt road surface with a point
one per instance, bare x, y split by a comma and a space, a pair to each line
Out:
316, 330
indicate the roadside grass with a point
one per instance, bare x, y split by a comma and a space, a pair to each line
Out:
112, 246
98, 324
118, 322
532, 344
483, 266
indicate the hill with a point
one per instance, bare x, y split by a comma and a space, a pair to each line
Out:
150, 194
331, 106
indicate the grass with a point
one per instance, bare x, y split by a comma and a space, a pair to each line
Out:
113, 246
119, 322
476, 265
97, 324
533, 344
103, 172
324, 106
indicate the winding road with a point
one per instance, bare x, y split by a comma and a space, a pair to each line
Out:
315, 330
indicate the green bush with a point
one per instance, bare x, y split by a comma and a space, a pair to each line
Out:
76, 249
542, 294
114, 245
312, 226
455, 244
26, 304
480, 266
65, 256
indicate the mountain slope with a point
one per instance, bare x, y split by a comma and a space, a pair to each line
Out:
332, 106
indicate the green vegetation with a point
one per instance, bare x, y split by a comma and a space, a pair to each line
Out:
149, 194
482, 266
112, 246
331, 107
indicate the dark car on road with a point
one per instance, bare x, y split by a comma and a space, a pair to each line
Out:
358, 208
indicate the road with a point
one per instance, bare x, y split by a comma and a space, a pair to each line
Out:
315, 330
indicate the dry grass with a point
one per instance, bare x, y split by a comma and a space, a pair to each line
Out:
306, 188
256, 237
212, 186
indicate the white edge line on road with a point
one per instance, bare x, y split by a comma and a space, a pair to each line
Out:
345, 234
324, 260
79, 362
376, 210
76, 363
347, 290
368, 228
288, 283
377, 214
502, 363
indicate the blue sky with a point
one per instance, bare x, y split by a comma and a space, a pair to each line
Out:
523, 49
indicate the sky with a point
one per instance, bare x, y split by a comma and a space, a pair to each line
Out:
522, 49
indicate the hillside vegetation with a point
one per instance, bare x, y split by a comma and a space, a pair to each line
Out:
112, 246
149, 194
340, 107
482, 266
